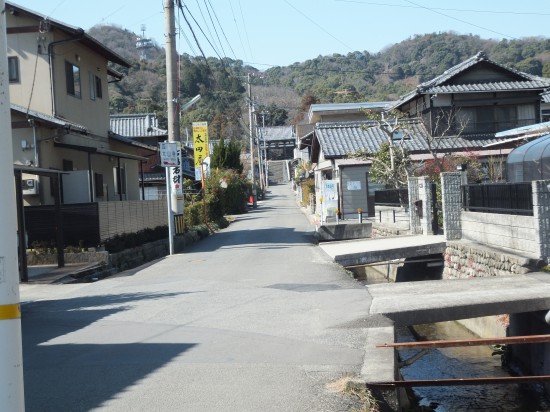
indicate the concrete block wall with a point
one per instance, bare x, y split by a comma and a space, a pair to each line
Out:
502, 231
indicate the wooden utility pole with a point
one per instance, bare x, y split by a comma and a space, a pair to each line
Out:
172, 100
11, 354
251, 130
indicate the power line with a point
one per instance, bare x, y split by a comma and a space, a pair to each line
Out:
214, 27
206, 25
202, 31
222, 30
517, 13
459, 20
318, 25
237, 27
245, 31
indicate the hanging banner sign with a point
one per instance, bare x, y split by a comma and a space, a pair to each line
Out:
169, 154
200, 145
176, 175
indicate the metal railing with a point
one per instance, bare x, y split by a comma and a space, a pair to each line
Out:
392, 197
505, 198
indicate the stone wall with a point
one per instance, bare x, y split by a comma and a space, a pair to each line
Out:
383, 230
465, 260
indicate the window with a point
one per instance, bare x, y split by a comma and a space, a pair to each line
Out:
72, 74
96, 90
98, 183
492, 119
120, 180
13, 68
68, 165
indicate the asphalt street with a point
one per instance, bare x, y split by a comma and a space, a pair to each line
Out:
253, 318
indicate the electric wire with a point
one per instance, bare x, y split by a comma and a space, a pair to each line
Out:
222, 30
459, 20
206, 25
195, 37
203, 33
245, 30
238, 31
318, 25
516, 13
214, 27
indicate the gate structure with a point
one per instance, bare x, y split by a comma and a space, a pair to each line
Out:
422, 206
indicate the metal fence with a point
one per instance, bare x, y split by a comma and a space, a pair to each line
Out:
505, 198
392, 197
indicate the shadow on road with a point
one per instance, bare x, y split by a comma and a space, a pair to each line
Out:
72, 376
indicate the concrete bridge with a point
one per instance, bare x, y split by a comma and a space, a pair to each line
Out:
365, 251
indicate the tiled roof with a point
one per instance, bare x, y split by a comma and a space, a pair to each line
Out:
136, 125
274, 133
437, 84
491, 86
339, 139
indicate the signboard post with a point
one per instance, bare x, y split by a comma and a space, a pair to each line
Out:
169, 155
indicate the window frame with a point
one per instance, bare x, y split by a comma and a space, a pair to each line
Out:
73, 79
13, 69
96, 86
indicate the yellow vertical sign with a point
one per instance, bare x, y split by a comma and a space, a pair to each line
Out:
200, 142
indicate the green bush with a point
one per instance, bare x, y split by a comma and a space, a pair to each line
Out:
308, 186
129, 240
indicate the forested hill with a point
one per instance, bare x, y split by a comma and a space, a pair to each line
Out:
397, 69
357, 76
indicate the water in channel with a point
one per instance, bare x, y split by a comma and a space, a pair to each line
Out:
464, 362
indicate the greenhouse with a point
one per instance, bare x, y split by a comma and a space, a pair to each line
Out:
530, 161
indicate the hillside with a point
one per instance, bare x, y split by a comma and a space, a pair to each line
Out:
357, 76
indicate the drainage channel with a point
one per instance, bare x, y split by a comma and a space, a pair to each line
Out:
460, 362
452, 362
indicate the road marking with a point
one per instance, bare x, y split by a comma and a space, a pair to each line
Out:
10, 311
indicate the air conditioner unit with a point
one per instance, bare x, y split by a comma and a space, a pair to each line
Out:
30, 186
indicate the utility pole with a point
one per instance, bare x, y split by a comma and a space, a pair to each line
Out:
250, 110
172, 100
265, 163
11, 355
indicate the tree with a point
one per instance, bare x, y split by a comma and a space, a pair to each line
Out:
226, 156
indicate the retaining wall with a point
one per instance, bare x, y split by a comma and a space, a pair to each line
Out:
465, 260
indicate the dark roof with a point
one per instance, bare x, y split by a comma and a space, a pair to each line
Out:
489, 87
74, 32
131, 142
439, 84
339, 139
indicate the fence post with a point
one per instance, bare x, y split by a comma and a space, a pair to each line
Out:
451, 204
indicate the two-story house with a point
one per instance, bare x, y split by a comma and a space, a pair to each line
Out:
461, 111
58, 78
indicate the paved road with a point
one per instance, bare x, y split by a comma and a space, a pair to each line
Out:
254, 318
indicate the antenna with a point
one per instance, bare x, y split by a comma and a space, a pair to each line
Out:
143, 43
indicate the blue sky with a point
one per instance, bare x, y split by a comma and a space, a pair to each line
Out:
281, 32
